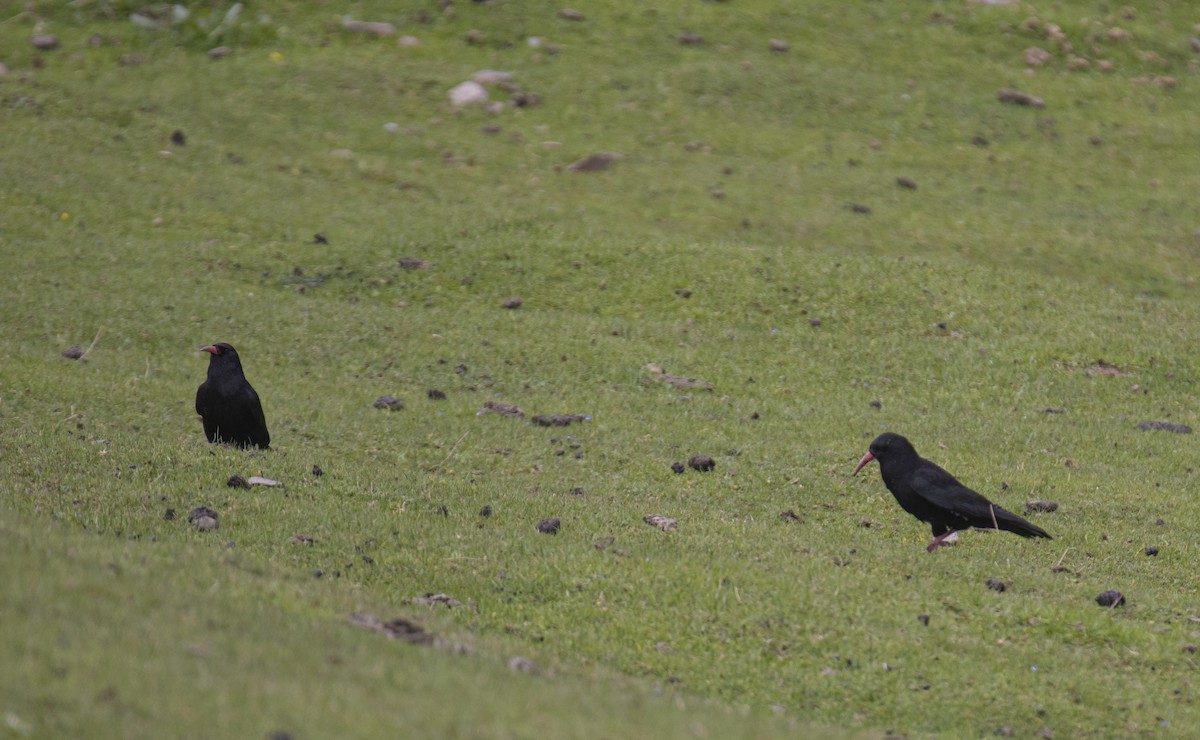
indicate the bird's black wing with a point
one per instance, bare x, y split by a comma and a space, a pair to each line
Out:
961, 507
256, 421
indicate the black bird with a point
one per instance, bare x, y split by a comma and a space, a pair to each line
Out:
228, 407
934, 496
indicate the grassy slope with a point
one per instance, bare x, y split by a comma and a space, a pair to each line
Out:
1036, 252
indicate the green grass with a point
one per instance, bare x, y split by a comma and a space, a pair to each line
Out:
956, 314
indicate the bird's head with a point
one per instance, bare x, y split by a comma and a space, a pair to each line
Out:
885, 446
221, 352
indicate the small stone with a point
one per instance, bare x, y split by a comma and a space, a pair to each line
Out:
549, 526
43, 41
569, 14
512, 302
74, 352
219, 51
521, 664
467, 93
1110, 599
778, 45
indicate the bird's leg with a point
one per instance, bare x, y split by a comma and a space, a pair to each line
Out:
939, 540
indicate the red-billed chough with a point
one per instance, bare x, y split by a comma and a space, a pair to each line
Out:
934, 496
228, 407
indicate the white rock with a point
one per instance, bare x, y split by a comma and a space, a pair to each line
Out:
468, 93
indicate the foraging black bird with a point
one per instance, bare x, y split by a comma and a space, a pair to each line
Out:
228, 406
934, 496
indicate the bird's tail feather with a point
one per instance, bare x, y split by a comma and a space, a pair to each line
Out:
1010, 522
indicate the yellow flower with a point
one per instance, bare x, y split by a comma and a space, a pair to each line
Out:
64, 216
276, 57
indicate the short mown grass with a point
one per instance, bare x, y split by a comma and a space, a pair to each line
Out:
1017, 315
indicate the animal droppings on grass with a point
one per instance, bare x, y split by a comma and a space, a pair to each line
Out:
521, 664
237, 480
178, 138
858, 208
875, 404
436, 600
435, 395
677, 381
169, 515
789, 516
666, 524
317, 472
412, 263
486, 511
906, 183
203, 518
499, 407
389, 402
74, 352
569, 14
1019, 98
1111, 599
1040, 505
1151, 550
923, 619
557, 420
996, 585
597, 162
549, 526
1052, 410
576, 491
1104, 369
395, 629
512, 302
1164, 426
689, 38
702, 463
319, 238
678, 467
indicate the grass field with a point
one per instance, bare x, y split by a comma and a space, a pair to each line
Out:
1016, 308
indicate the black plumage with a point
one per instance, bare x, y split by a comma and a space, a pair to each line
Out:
934, 496
228, 406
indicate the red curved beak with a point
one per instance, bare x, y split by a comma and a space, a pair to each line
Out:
865, 459
211, 349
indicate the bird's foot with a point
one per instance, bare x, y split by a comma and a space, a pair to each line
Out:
948, 538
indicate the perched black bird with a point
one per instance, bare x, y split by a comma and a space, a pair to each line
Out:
934, 496
228, 407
